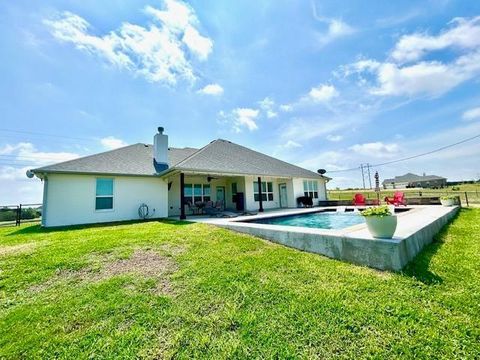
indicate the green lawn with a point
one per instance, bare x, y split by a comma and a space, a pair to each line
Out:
472, 192
167, 289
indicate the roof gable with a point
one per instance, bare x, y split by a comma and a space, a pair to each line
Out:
226, 157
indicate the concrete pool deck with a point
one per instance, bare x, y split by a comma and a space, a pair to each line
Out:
416, 228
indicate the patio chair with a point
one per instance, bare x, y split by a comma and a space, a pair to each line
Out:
211, 209
305, 201
193, 209
397, 200
359, 200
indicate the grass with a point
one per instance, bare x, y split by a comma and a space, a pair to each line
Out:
472, 190
230, 296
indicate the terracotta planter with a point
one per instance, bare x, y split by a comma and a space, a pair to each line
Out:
382, 227
448, 202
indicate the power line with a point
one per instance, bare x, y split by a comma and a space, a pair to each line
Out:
428, 152
45, 134
410, 157
29, 157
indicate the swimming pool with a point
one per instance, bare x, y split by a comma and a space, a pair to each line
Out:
320, 220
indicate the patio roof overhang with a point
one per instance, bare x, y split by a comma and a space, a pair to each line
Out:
175, 171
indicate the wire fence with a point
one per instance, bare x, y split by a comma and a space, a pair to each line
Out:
15, 215
467, 198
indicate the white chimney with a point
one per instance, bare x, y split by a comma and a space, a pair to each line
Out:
160, 147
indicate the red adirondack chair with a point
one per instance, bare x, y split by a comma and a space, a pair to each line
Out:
397, 200
359, 200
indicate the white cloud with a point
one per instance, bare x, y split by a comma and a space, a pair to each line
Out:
290, 144
211, 89
472, 114
177, 15
376, 149
334, 138
336, 28
322, 93
112, 143
13, 173
245, 117
159, 53
429, 78
25, 152
267, 105
400, 75
16, 187
308, 128
28, 157
329, 160
463, 34
198, 44
398, 19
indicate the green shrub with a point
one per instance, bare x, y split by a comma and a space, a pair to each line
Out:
30, 213
449, 197
383, 210
7, 214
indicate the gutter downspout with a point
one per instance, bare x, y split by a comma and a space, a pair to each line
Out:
44, 202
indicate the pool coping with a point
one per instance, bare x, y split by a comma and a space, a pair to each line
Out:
416, 228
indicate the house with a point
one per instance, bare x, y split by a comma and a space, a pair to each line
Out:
415, 181
111, 186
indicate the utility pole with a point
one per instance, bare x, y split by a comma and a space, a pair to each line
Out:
363, 175
369, 178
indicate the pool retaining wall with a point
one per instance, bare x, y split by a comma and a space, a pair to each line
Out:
416, 229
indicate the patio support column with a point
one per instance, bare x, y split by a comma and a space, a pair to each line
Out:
260, 200
182, 197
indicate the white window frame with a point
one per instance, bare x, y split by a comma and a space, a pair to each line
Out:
266, 192
310, 188
104, 196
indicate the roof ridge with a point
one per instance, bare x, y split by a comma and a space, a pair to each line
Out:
282, 161
243, 147
88, 156
196, 152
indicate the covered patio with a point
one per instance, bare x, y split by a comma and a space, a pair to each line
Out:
202, 193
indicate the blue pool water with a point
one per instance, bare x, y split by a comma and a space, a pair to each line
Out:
322, 220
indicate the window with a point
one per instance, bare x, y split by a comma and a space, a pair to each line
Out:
196, 192
104, 194
206, 192
267, 191
310, 188
234, 192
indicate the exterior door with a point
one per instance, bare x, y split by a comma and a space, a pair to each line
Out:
283, 195
221, 194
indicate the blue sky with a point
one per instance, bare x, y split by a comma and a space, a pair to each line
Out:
310, 82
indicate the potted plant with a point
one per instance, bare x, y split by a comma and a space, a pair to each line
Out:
449, 200
380, 221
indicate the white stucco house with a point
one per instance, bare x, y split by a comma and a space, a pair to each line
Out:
111, 186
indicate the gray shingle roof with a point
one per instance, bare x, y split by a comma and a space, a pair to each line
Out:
219, 156
409, 177
134, 159
224, 156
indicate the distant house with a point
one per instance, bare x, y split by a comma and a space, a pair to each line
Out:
415, 181
113, 185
